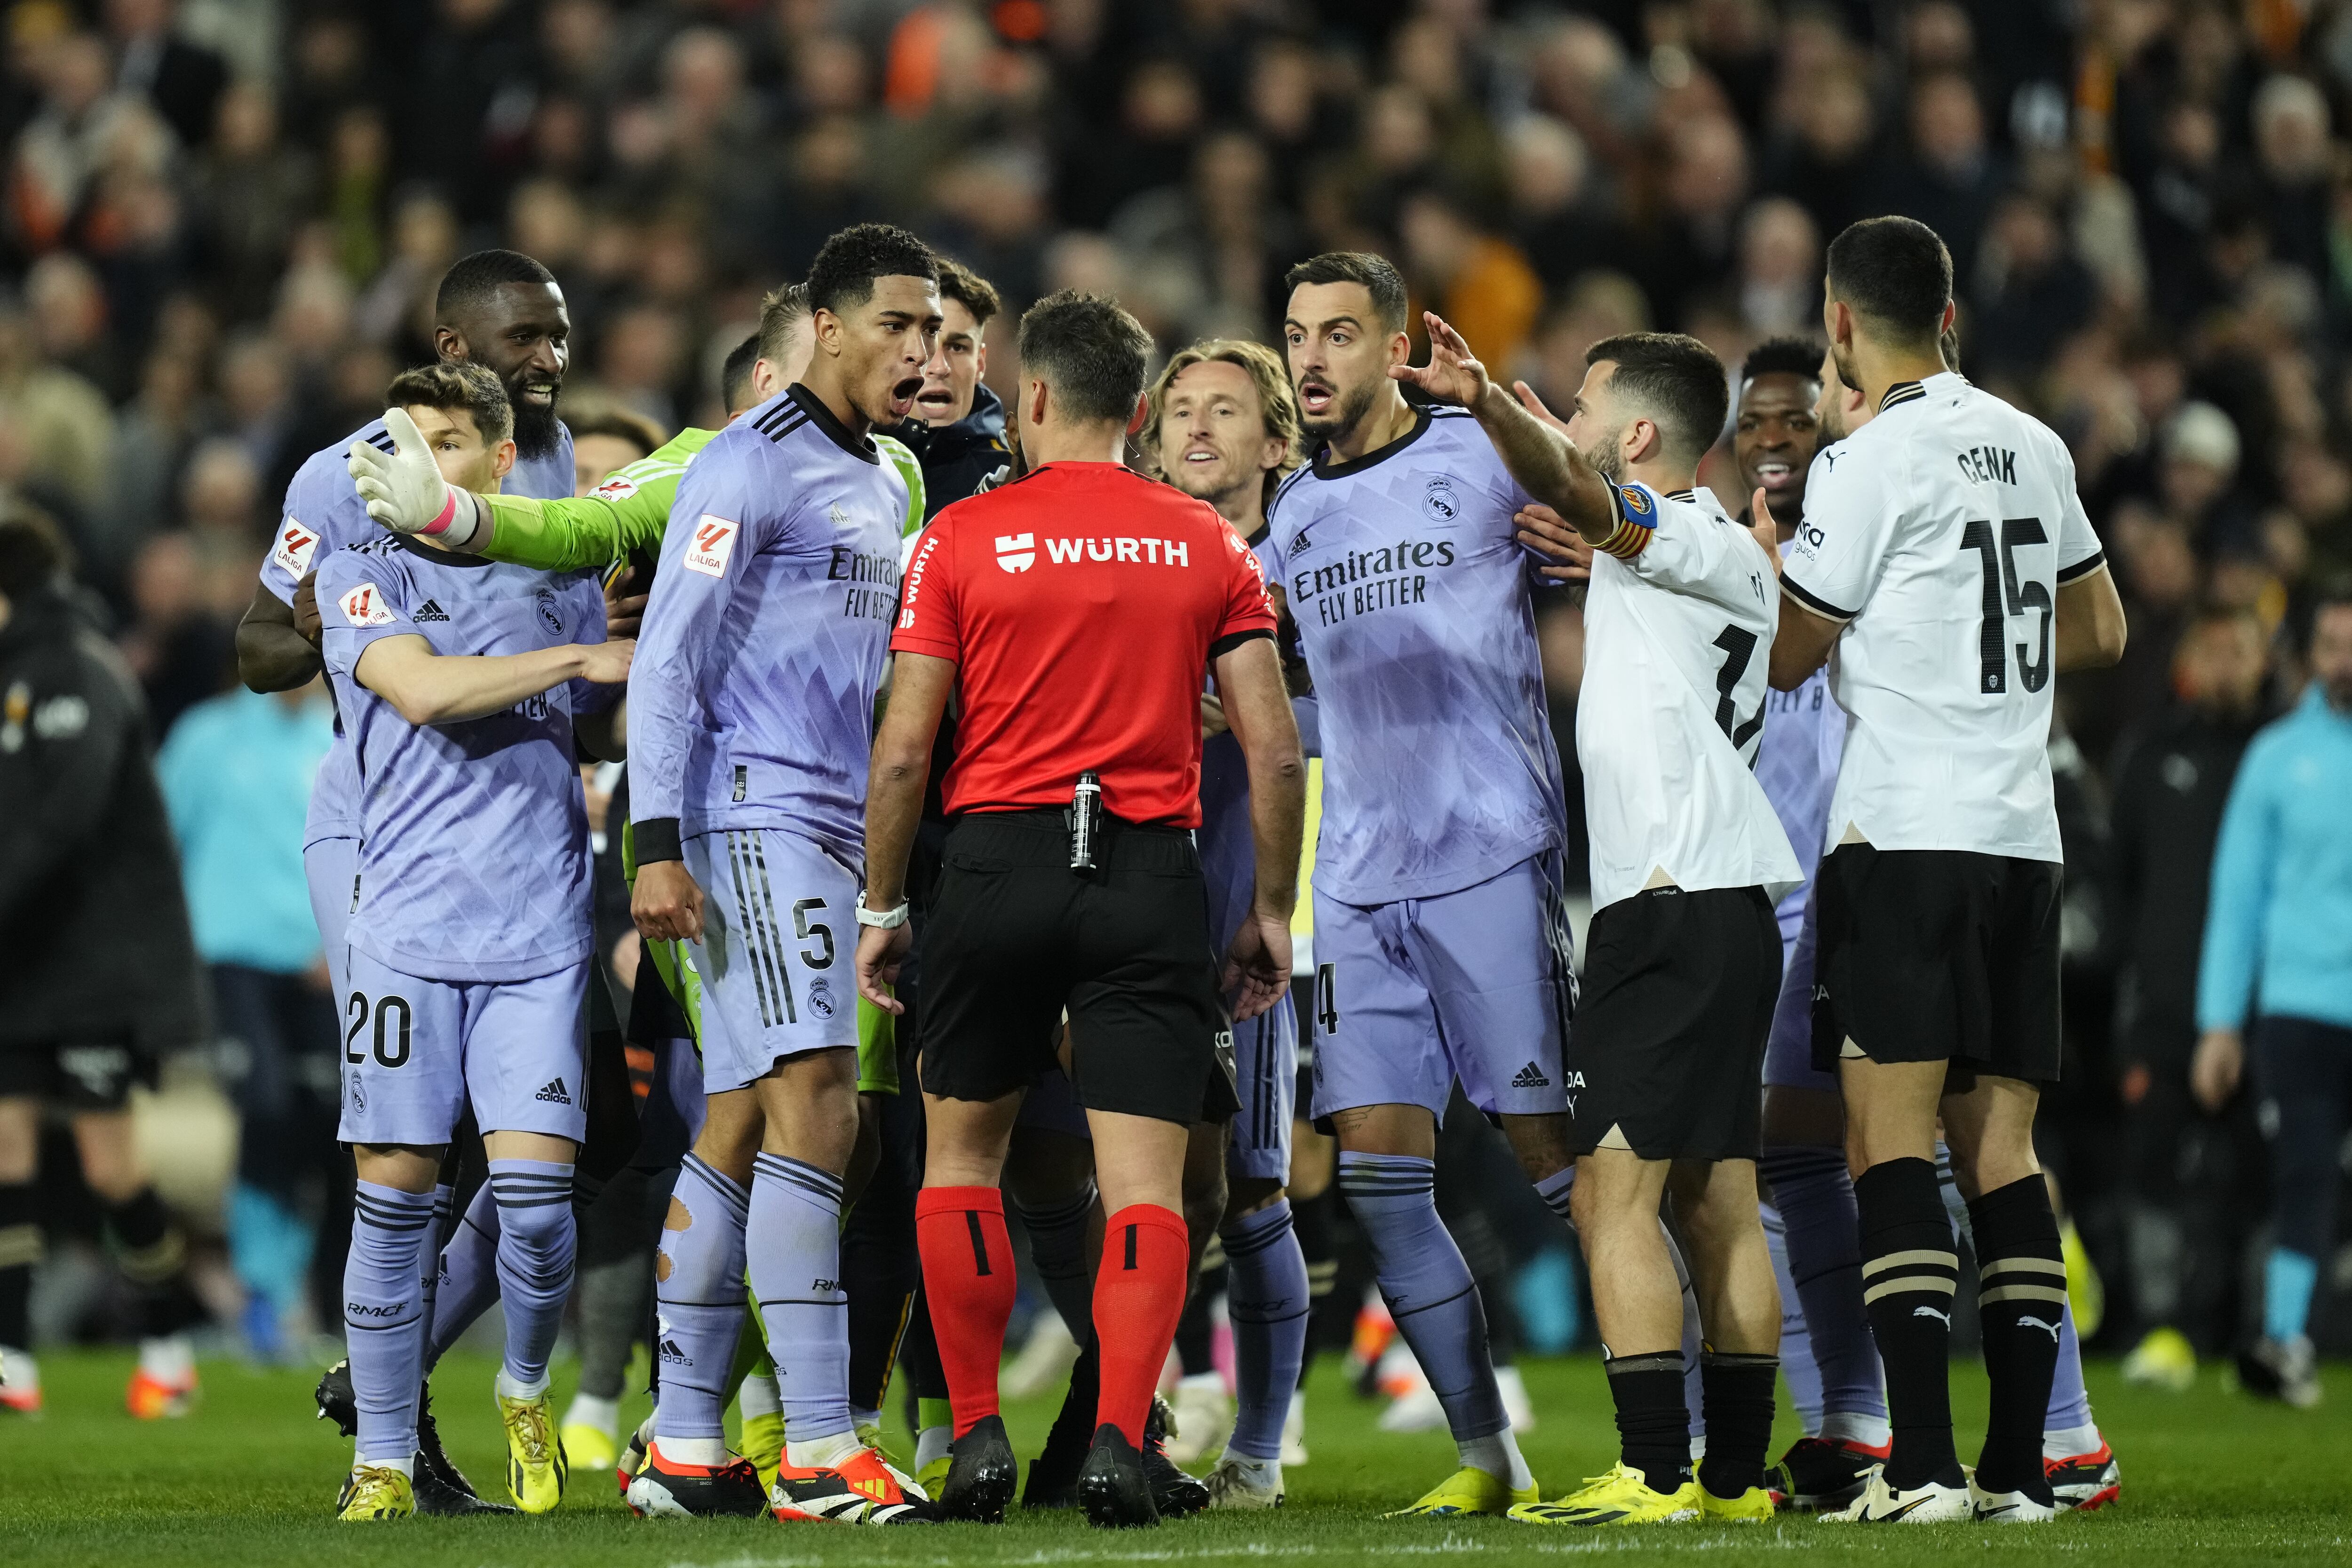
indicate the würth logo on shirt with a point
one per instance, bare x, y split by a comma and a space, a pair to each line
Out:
1017, 552
713, 542
1142, 552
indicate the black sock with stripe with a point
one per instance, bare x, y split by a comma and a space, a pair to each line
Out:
2022, 1300
1909, 1271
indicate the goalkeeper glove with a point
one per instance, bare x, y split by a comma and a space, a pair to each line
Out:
404, 492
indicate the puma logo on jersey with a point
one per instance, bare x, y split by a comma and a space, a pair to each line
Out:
712, 544
295, 547
364, 606
1017, 552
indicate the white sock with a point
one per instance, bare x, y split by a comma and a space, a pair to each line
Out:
1499, 1456
2069, 1441
865, 1417
510, 1389
587, 1410
931, 1444
167, 1359
1266, 1475
759, 1397
706, 1451
406, 1464
819, 1452
1855, 1426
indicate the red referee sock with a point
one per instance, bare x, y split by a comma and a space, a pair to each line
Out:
1146, 1264
968, 1282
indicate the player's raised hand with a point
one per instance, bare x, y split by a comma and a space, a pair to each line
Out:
666, 903
1546, 535
1536, 406
1767, 532
1453, 373
607, 663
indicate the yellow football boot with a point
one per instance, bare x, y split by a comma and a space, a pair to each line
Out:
373, 1493
1623, 1496
536, 1466
1468, 1490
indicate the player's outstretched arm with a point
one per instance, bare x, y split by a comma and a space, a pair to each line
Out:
428, 688
2091, 627
1257, 710
404, 492
919, 686
1539, 455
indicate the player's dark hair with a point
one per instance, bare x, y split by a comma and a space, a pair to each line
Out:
455, 385
33, 549
1673, 379
842, 277
735, 374
1782, 356
623, 424
970, 290
1090, 352
472, 280
1896, 274
781, 313
1377, 274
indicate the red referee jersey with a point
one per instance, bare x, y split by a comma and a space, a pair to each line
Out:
1082, 604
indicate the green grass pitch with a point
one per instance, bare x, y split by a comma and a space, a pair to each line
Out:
247, 1482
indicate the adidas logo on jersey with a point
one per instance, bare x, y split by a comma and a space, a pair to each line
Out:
1531, 1077
553, 1094
430, 610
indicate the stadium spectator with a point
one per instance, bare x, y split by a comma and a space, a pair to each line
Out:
236, 775
2275, 966
101, 977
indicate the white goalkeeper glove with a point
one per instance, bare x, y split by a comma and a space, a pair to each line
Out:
406, 492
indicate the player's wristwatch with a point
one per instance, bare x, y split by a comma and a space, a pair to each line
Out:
888, 920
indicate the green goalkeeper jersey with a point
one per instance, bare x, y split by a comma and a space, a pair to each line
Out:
630, 510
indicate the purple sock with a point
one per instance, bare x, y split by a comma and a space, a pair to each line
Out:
1797, 1362
1266, 1293
1823, 1235
1428, 1288
794, 1239
383, 1317
699, 1292
538, 1245
468, 1279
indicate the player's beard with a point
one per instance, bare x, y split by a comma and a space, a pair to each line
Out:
1345, 415
1844, 360
536, 427
1607, 457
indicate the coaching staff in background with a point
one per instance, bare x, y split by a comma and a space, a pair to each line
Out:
100, 974
1074, 612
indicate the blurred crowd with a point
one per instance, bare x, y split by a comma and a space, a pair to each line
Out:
224, 220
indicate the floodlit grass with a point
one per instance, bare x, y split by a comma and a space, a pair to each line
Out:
247, 1481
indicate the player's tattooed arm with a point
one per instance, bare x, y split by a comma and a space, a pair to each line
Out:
273, 653
1534, 445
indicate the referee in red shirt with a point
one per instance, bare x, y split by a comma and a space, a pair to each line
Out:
1073, 615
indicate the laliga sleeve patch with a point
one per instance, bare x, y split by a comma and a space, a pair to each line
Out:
620, 487
712, 544
295, 547
364, 606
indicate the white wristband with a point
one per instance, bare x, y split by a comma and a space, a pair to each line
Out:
888, 921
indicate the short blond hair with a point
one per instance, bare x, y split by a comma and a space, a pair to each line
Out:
1278, 402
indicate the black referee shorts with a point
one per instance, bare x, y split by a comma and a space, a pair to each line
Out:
1938, 956
1016, 936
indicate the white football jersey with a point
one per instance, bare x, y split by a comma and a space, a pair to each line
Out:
1939, 533
1678, 642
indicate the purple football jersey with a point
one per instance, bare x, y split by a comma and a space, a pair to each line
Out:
764, 645
1414, 605
323, 514
1228, 843
474, 835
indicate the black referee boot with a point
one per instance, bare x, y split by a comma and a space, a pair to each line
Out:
441, 1487
1173, 1493
982, 1474
1112, 1488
